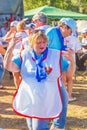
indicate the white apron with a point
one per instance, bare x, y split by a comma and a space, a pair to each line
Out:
40, 100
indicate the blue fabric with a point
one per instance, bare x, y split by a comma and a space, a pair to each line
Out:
3, 43
55, 39
63, 47
1, 69
17, 60
65, 64
40, 72
36, 124
61, 121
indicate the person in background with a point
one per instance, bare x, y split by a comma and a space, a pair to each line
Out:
30, 27
29, 30
41, 76
11, 32
21, 34
21, 26
84, 36
17, 30
4, 29
18, 17
81, 58
73, 43
8, 37
56, 36
40, 20
55, 22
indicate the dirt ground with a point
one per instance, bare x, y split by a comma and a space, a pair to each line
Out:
76, 115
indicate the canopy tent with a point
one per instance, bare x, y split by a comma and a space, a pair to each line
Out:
54, 13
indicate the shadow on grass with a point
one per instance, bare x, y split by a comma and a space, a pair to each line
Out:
16, 123
80, 92
6, 109
9, 120
73, 123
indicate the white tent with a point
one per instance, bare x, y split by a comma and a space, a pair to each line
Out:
81, 24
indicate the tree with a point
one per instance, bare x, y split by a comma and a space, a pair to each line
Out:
73, 5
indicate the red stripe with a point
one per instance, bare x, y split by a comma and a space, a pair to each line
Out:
44, 118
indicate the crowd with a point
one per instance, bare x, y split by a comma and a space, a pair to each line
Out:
42, 60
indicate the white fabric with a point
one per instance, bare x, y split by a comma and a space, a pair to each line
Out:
25, 42
44, 27
19, 44
84, 41
72, 43
39, 99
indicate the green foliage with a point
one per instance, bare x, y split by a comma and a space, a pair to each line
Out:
31, 4
73, 5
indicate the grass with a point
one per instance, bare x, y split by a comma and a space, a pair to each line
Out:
76, 114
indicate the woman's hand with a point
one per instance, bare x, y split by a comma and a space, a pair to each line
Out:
15, 40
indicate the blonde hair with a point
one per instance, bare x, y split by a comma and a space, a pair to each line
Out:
20, 26
35, 37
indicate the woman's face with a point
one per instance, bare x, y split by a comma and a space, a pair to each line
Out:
40, 46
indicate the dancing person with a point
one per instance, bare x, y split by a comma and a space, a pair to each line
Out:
40, 80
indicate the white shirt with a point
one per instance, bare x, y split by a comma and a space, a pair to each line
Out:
84, 41
18, 46
44, 27
73, 43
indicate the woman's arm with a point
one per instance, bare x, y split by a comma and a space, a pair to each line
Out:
17, 79
8, 36
8, 64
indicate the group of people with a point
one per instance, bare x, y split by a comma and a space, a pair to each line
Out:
42, 60
81, 59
